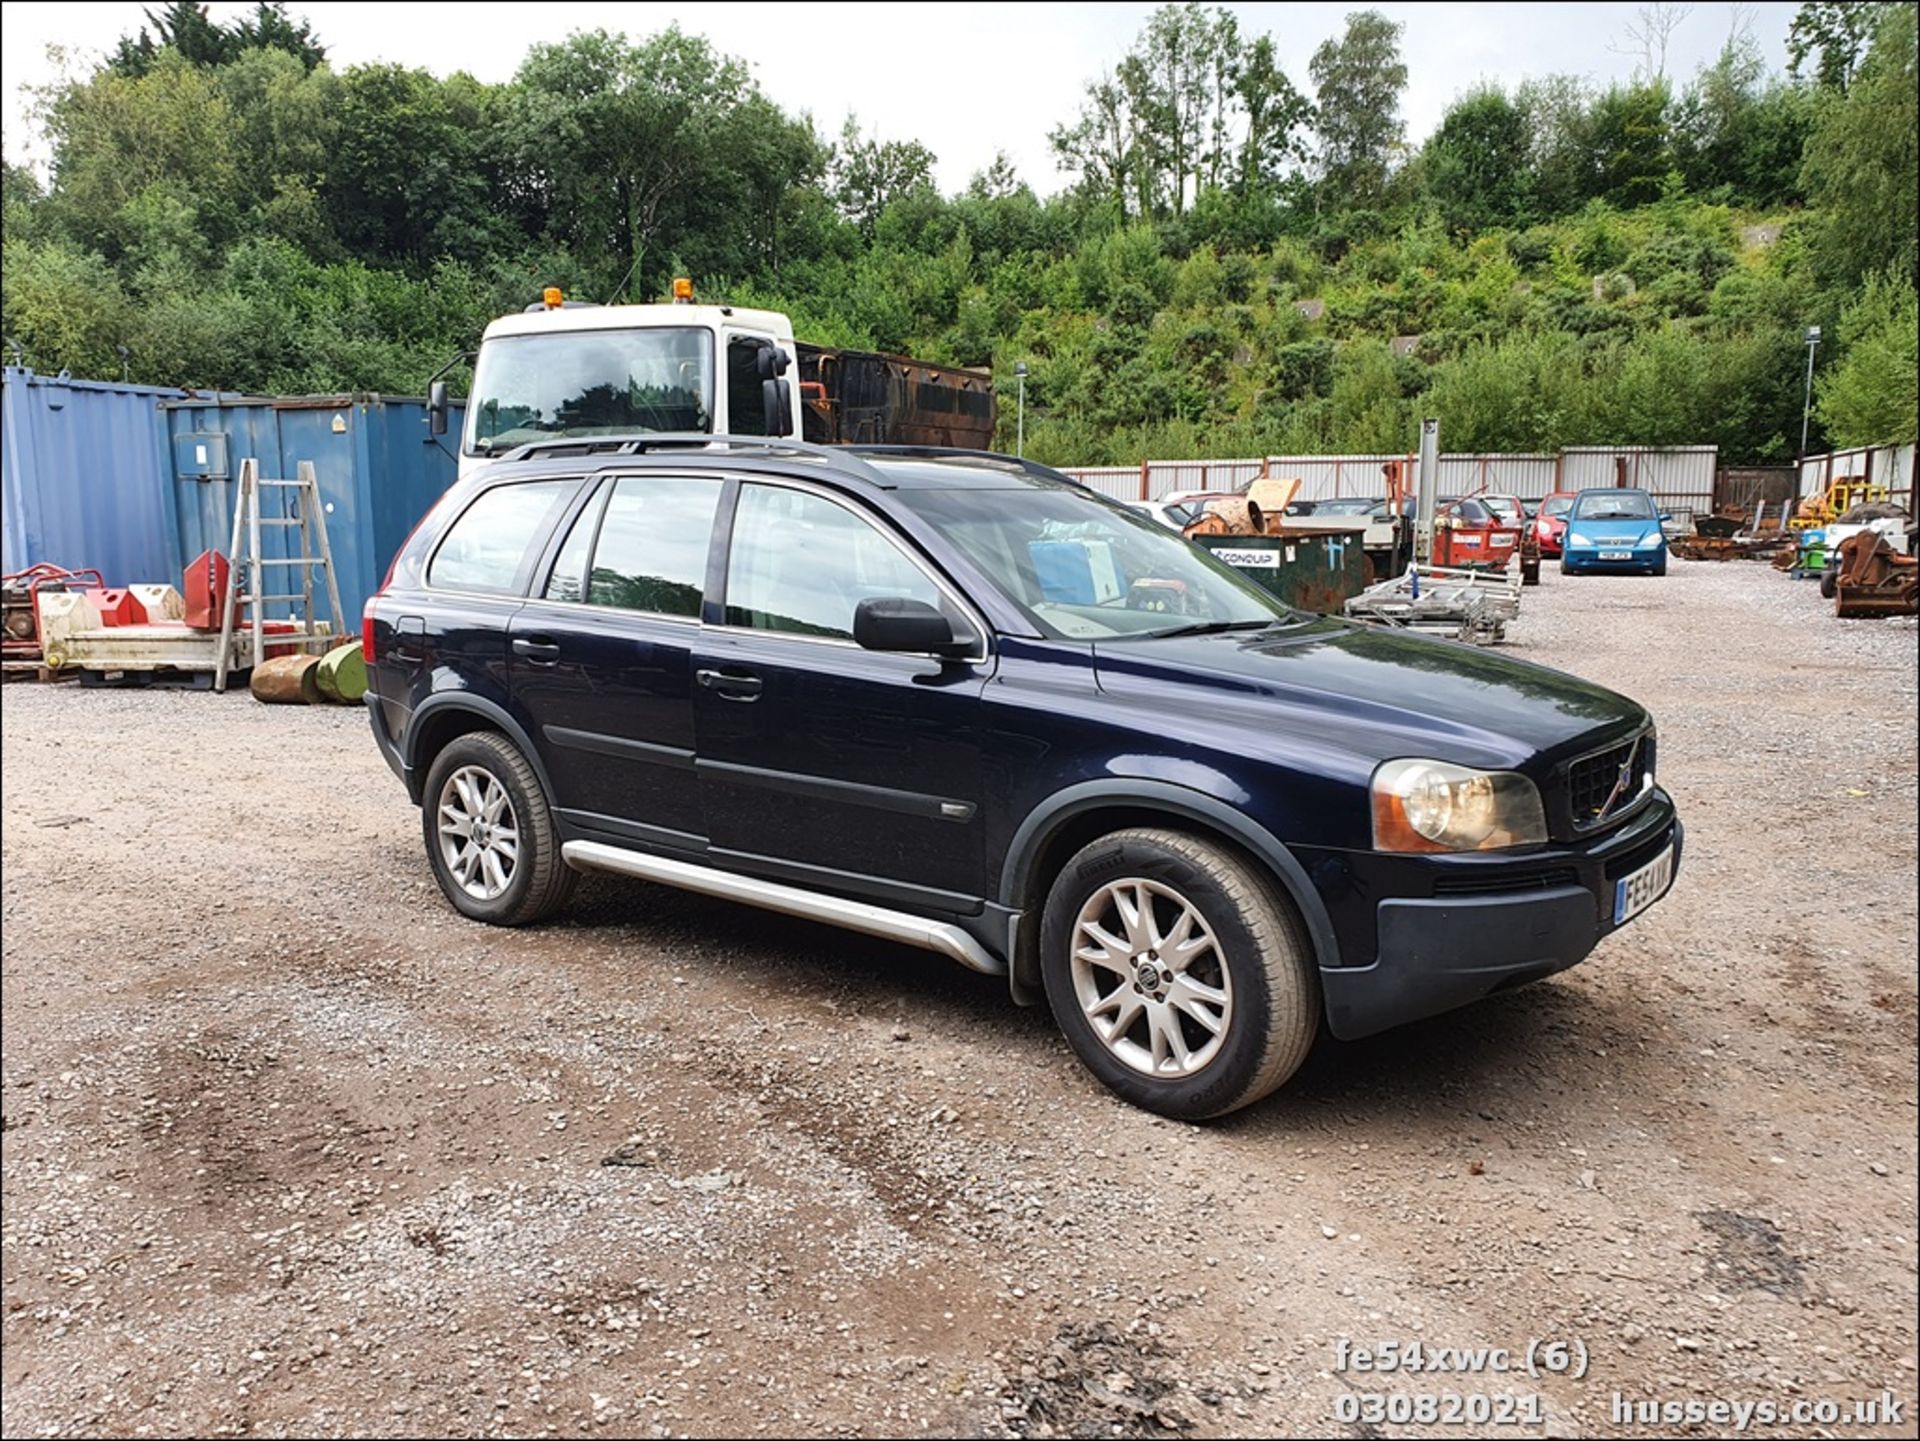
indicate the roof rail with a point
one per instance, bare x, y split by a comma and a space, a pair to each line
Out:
645, 441
955, 452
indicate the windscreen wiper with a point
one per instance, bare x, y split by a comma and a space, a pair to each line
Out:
1212, 627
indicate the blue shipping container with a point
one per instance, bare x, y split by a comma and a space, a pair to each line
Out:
85, 479
378, 468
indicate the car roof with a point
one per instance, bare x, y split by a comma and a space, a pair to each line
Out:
875, 467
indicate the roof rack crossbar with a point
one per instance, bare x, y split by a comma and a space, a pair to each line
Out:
641, 443
956, 452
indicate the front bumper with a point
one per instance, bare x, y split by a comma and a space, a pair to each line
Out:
1588, 558
1444, 936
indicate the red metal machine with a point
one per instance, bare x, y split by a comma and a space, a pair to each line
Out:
23, 647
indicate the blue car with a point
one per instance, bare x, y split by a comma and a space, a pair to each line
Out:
1613, 530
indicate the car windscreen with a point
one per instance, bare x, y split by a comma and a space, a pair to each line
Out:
1613, 505
1352, 505
563, 384
1556, 505
1504, 506
1082, 568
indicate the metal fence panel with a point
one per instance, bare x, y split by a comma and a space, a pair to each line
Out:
84, 477
1680, 477
1888, 465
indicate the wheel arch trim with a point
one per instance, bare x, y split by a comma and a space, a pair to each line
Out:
1177, 803
430, 711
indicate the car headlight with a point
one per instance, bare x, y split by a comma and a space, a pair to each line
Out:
1648, 542
1423, 805
1578, 539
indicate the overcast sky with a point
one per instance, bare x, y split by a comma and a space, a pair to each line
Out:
965, 80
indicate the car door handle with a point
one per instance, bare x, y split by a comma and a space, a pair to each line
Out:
540, 652
730, 685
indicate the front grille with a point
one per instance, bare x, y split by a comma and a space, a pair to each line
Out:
1594, 789
1626, 865
1536, 880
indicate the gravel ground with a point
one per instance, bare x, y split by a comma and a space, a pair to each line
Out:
290, 1148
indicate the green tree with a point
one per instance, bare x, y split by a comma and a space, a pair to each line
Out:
868, 174
114, 137
1835, 34
269, 27
1564, 170
1357, 81
1632, 153
1277, 116
604, 134
185, 28
1869, 397
1862, 167
1476, 162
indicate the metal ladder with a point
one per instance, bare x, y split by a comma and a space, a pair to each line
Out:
302, 507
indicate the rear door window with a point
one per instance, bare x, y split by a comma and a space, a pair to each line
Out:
488, 548
651, 551
568, 579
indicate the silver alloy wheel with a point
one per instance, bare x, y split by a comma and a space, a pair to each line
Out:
1150, 978
479, 837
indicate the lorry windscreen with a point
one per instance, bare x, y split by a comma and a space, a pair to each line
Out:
590, 382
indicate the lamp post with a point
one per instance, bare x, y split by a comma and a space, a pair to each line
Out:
1020, 421
1806, 405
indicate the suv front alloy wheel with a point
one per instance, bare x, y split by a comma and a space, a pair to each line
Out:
1179, 976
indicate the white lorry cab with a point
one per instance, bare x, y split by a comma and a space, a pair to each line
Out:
563, 370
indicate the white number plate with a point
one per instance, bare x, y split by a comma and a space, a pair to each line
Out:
1633, 894
1616, 555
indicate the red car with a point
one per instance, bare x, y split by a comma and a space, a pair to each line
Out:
1550, 521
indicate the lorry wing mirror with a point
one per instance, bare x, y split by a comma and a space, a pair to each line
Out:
437, 408
772, 361
776, 404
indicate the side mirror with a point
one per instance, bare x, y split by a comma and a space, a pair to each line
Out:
1664, 517
437, 408
896, 623
776, 405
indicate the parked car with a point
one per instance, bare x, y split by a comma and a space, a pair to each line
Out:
1356, 505
1614, 529
1173, 514
957, 700
1550, 521
1471, 531
1512, 512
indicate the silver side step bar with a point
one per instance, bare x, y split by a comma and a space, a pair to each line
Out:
937, 936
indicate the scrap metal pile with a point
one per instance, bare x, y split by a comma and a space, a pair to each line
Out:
1735, 535
1469, 605
1874, 579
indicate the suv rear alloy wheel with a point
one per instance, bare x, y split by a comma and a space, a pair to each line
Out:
490, 835
1178, 975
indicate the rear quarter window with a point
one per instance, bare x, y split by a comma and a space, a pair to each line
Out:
489, 547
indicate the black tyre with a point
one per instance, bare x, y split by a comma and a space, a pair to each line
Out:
1829, 583
1178, 973
490, 835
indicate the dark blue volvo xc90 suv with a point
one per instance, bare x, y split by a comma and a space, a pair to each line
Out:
959, 700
